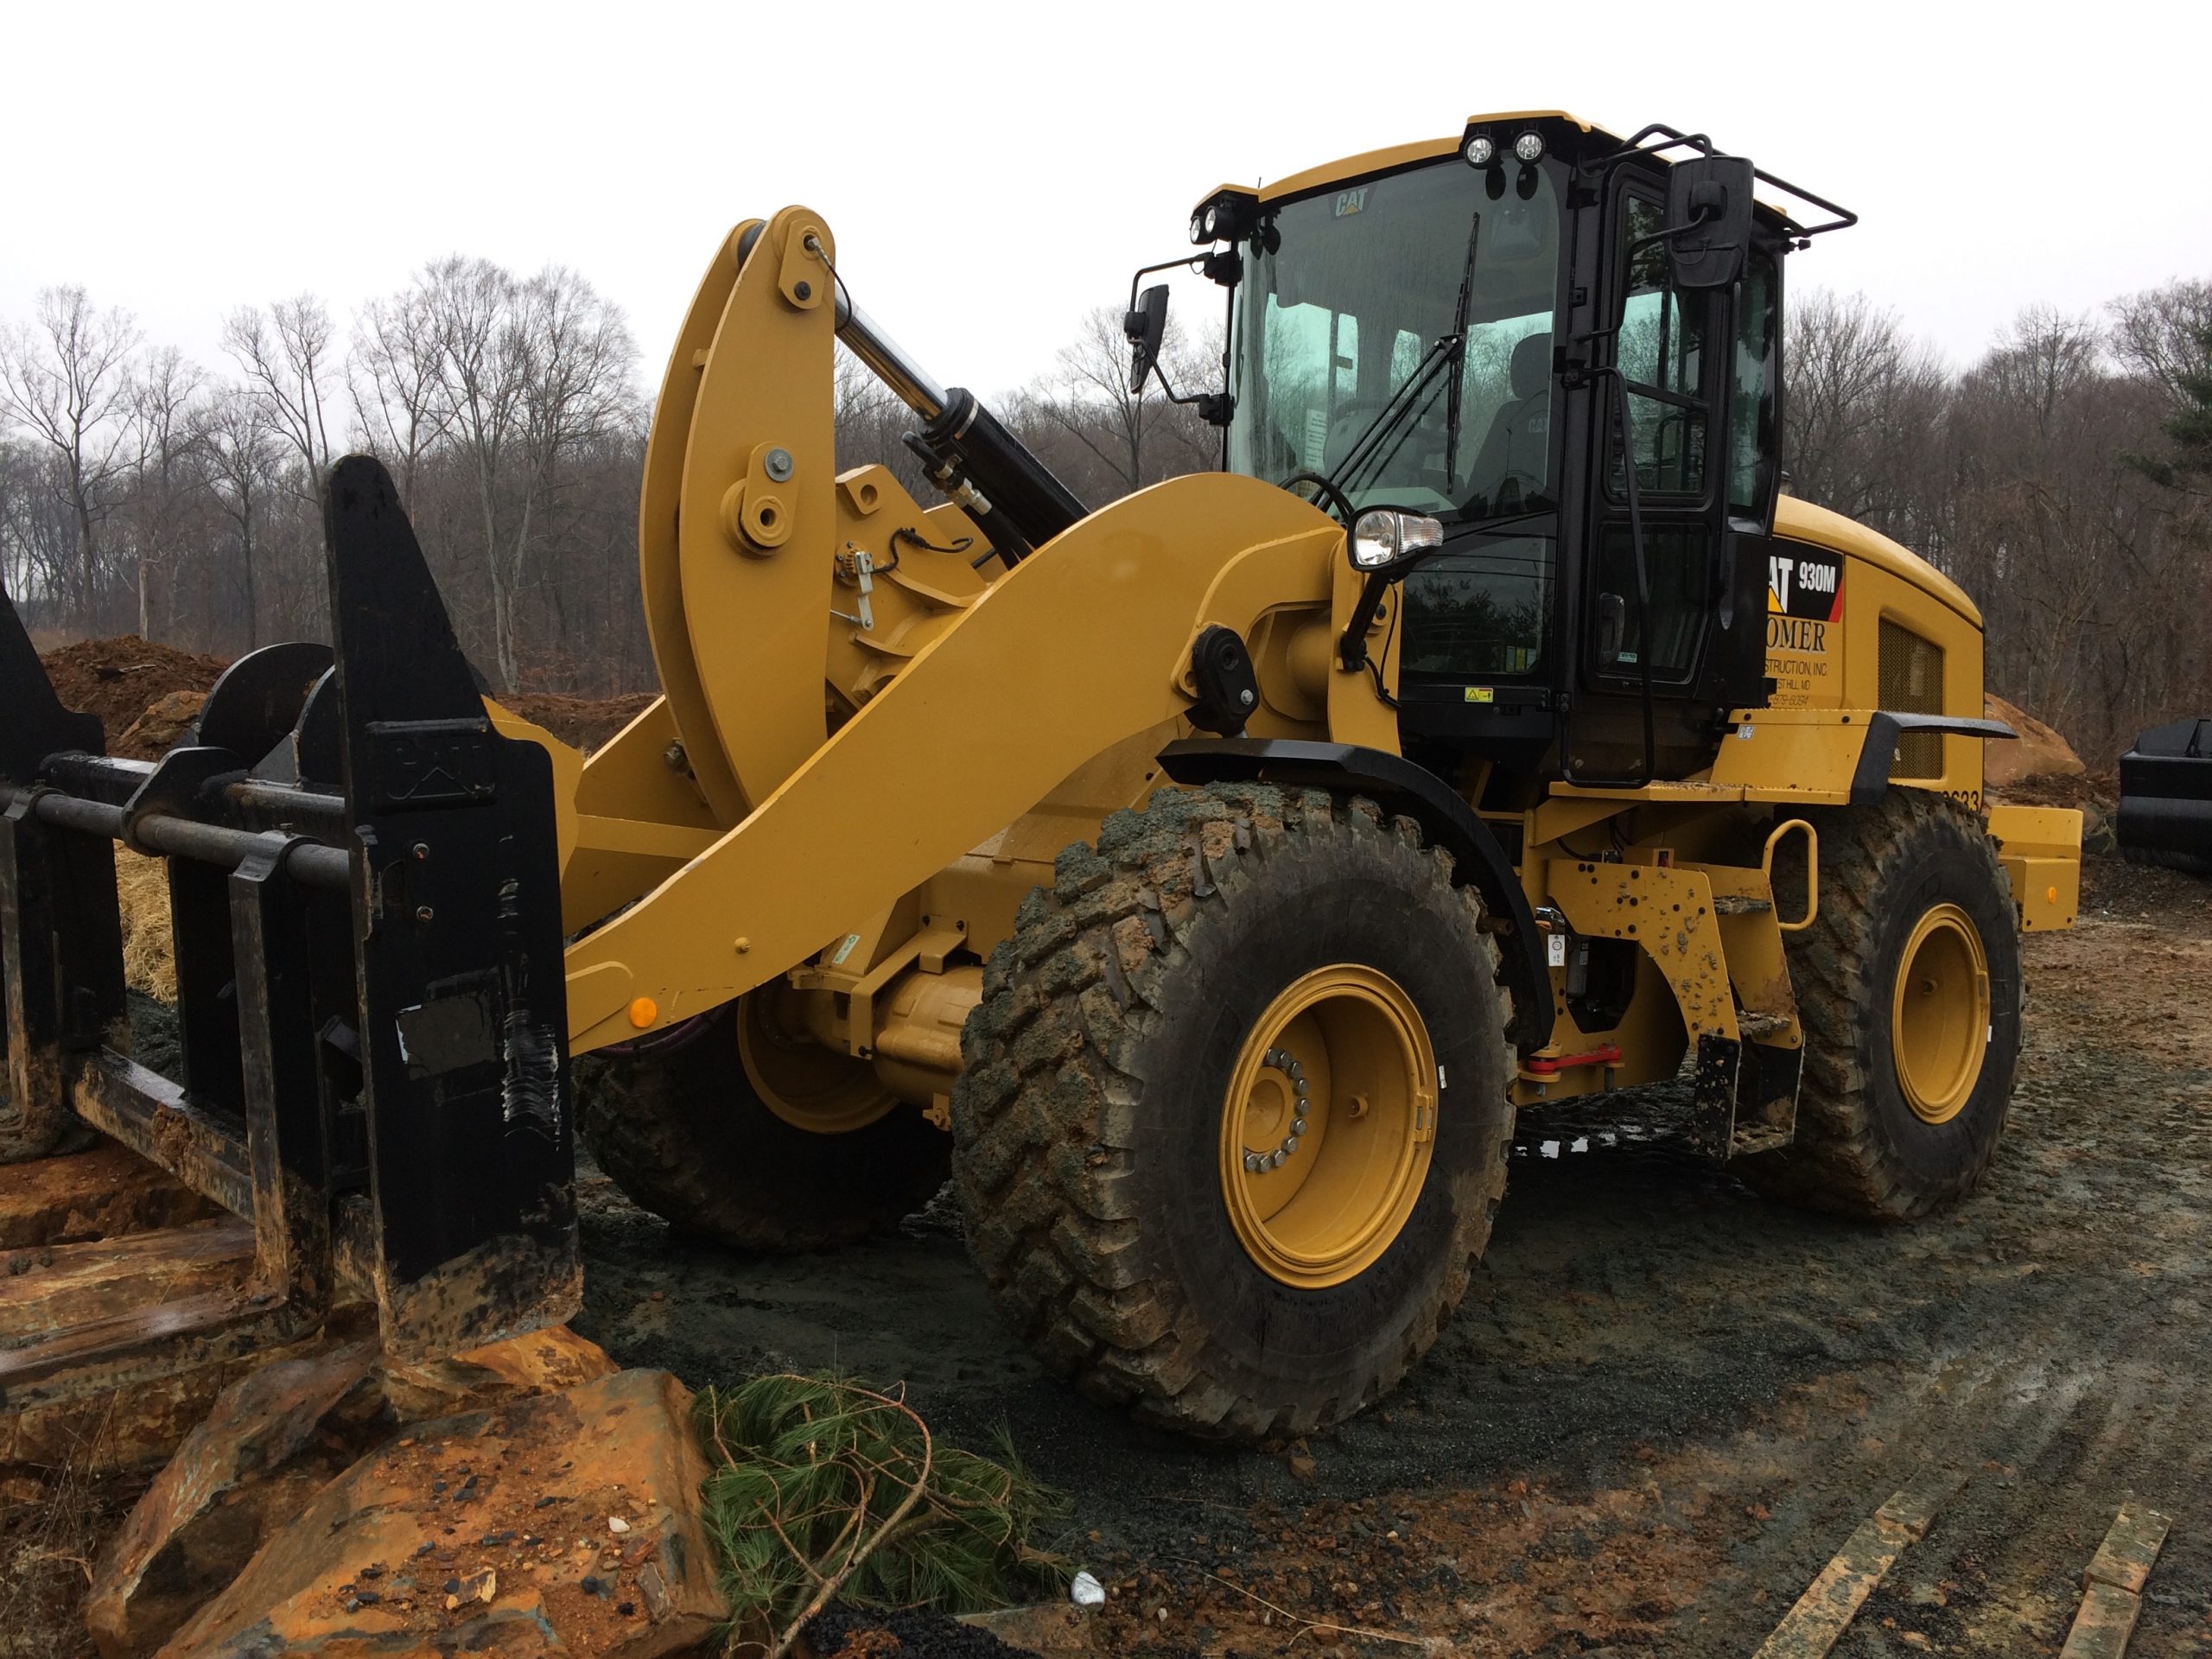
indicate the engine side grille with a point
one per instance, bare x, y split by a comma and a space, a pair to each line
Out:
1910, 681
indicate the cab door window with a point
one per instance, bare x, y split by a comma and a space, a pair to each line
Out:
1665, 354
1660, 351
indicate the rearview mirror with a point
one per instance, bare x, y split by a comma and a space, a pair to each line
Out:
1146, 327
1709, 220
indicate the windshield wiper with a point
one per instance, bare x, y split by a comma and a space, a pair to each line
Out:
1368, 448
1365, 447
1456, 390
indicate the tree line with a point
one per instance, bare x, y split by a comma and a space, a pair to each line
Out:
2061, 477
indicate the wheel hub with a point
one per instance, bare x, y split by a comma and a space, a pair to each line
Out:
1939, 1013
1328, 1126
809, 1086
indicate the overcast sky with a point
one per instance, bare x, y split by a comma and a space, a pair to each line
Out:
992, 172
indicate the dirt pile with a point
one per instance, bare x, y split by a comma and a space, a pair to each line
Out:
119, 679
147, 695
2037, 752
581, 722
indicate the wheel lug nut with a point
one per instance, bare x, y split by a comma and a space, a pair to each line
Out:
1301, 1088
1297, 1126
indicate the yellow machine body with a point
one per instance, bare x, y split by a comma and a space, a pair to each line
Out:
838, 807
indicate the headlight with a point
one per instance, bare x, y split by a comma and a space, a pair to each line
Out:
1530, 147
1198, 227
1481, 150
1381, 537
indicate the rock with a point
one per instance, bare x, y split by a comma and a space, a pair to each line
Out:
167, 721
271, 1444
2038, 751
1046, 1627
541, 1362
512, 1492
268, 1445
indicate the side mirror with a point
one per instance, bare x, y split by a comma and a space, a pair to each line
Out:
1612, 628
1146, 327
1709, 217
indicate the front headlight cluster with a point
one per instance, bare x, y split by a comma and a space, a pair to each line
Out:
1381, 537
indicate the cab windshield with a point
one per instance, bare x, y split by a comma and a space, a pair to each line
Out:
1348, 295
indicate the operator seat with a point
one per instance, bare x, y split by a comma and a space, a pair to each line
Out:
1510, 469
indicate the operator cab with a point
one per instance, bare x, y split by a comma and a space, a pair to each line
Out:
1456, 330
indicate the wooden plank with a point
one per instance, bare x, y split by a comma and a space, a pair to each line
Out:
1821, 1615
2131, 1547
2113, 1584
2104, 1624
43, 1292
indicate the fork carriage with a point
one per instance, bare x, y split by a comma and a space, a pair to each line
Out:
364, 883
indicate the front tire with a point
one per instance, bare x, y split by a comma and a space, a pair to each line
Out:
1908, 987
1207, 1170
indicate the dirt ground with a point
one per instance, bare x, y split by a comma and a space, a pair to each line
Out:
1666, 1401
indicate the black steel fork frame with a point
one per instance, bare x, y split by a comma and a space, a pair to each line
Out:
365, 888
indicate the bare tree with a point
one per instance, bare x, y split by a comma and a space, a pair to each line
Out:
1130, 434
247, 452
164, 424
532, 371
1864, 414
396, 381
2160, 333
65, 379
285, 354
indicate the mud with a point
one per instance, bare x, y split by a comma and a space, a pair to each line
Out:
117, 679
1666, 1402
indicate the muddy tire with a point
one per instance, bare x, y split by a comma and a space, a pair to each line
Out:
682, 1129
1108, 1183
1908, 1071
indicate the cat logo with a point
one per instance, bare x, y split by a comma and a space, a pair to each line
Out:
1351, 201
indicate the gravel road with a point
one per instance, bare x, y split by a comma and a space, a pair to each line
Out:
1666, 1401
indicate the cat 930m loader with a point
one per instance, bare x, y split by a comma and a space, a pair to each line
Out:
1200, 883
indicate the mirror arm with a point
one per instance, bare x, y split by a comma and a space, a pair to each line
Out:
1351, 648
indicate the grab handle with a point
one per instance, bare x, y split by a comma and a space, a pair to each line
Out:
1812, 873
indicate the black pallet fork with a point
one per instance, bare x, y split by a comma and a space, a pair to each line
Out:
2165, 798
364, 883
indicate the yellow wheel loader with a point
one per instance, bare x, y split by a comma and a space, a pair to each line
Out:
1201, 881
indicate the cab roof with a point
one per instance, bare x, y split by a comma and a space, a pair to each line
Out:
1372, 161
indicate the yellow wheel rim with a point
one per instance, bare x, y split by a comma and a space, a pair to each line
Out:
1939, 1013
1318, 1183
807, 1085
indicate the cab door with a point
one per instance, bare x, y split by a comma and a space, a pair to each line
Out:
1696, 375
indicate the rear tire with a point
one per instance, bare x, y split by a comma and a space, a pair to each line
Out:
1908, 1069
1100, 1138
683, 1128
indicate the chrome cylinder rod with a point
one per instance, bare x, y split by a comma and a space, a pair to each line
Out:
889, 361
